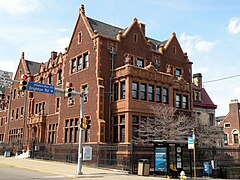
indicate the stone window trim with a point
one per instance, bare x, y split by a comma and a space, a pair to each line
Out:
227, 125
235, 136
79, 62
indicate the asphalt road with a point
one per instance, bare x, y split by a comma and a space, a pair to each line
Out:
13, 173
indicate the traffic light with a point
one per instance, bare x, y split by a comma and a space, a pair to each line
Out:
83, 123
68, 90
86, 122
23, 83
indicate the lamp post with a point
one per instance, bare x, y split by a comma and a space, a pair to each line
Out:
80, 150
194, 154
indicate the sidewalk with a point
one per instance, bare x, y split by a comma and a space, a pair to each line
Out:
69, 170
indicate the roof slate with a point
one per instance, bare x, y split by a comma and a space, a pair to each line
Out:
33, 67
110, 31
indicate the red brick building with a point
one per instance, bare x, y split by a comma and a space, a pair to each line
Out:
123, 71
231, 125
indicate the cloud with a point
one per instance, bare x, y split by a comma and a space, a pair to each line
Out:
8, 65
234, 26
16, 7
191, 44
62, 43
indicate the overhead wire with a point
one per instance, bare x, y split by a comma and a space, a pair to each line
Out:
220, 79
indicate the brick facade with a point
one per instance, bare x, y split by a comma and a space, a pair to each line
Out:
123, 71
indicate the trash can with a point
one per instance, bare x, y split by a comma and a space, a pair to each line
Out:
7, 153
143, 167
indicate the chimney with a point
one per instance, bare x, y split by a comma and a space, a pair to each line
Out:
234, 106
197, 80
142, 26
53, 55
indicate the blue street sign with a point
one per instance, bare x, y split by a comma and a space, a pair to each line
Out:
190, 143
43, 88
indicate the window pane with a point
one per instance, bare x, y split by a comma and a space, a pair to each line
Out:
135, 120
158, 94
73, 69
165, 95
122, 119
135, 90
178, 101
178, 73
115, 91
122, 133
185, 102
150, 93
143, 92
115, 134
85, 61
140, 62
122, 90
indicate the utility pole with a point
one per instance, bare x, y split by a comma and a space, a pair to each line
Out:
194, 155
80, 149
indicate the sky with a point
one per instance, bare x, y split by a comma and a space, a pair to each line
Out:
208, 30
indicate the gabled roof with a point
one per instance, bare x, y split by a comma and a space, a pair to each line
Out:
104, 29
110, 31
33, 67
206, 101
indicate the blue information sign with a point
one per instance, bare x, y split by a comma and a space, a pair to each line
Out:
190, 143
161, 159
43, 88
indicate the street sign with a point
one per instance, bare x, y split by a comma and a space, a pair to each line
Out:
43, 88
5, 78
87, 153
190, 143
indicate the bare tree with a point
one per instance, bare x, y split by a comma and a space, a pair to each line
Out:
168, 124
171, 124
207, 135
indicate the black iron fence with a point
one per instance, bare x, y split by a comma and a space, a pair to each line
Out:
125, 157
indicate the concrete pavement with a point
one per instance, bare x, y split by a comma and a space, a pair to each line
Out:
69, 170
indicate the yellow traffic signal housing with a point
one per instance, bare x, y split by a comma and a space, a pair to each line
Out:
68, 90
86, 122
83, 123
23, 83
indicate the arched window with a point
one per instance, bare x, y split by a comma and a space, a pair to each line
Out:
235, 137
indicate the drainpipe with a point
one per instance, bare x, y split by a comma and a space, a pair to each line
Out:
112, 52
